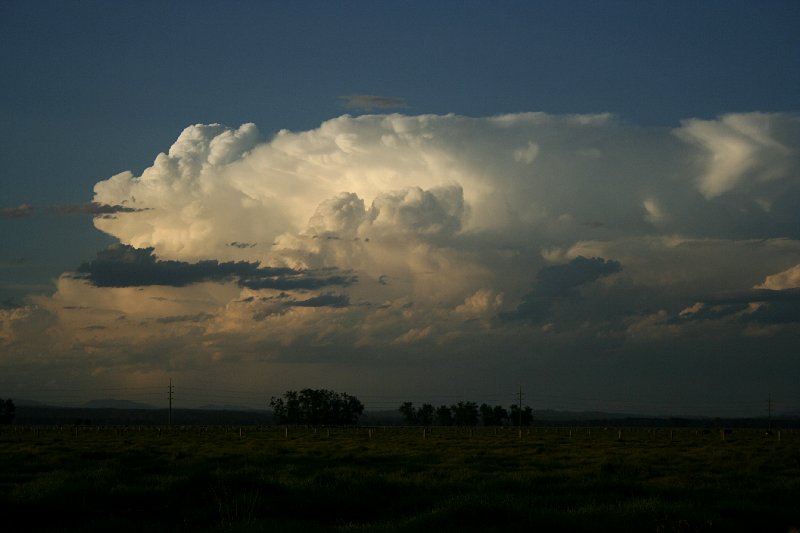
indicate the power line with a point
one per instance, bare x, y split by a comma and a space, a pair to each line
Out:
171, 390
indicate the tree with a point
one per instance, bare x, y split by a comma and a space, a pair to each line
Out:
500, 415
409, 413
7, 411
316, 407
526, 418
425, 414
444, 416
422, 416
493, 416
487, 415
352, 410
465, 413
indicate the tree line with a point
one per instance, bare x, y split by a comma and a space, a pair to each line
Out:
322, 407
466, 414
316, 407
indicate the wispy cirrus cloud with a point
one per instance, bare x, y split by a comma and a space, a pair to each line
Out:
89, 208
21, 211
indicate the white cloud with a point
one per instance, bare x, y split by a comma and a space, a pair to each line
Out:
741, 149
338, 217
437, 209
533, 176
418, 212
788, 279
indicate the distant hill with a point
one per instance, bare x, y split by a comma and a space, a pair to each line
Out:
109, 403
551, 415
115, 416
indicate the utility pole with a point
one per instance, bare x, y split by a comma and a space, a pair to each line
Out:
520, 407
171, 389
769, 411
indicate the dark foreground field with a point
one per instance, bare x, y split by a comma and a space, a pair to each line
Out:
394, 480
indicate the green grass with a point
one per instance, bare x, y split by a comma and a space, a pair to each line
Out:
453, 480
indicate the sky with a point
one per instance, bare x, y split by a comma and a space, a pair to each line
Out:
595, 202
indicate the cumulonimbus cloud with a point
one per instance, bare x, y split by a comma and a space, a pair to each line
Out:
406, 236
444, 206
533, 175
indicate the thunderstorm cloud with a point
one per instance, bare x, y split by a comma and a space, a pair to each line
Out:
393, 238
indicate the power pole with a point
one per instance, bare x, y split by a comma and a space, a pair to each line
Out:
171, 390
520, 407
769, 411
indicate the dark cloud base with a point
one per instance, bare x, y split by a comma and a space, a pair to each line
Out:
774, 307
125, 266
94, 209
559, 282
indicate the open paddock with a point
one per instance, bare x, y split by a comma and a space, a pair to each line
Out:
259, 478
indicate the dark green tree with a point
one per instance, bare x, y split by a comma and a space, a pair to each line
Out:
422, 416
7, 411
409, 413
425, 414
352, 409
444, 416
525, 419
487, 415
315, 407
493, 416
465, 413
500, 414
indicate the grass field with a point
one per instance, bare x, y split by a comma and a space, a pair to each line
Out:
393, 479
